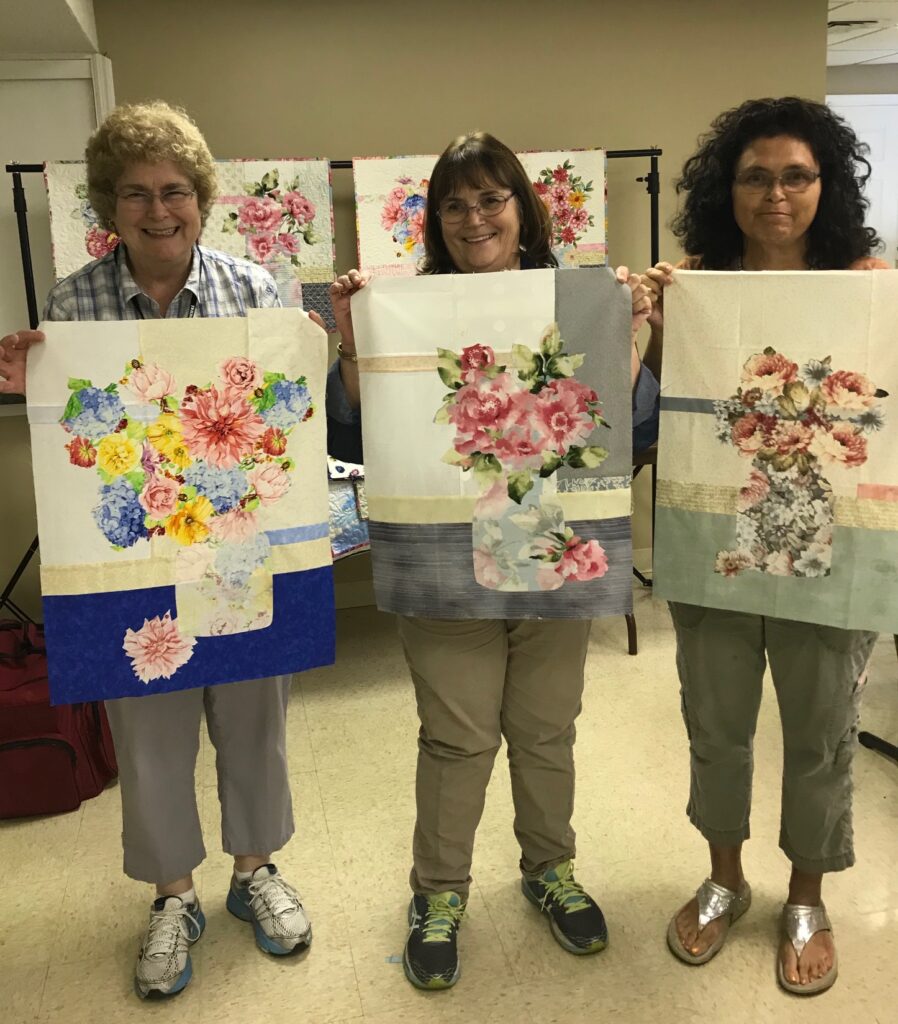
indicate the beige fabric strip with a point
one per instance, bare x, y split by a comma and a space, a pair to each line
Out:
109, 577
428, 510
856, 513
409, 364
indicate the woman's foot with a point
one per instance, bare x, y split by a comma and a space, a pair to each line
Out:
808, 962
807, 955
699, 929
693, 939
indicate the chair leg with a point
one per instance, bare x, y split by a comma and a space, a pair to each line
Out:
631, 633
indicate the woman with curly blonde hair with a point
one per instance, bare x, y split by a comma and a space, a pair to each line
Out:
151, 180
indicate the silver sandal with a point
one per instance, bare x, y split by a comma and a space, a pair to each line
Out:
800, 924
714, 901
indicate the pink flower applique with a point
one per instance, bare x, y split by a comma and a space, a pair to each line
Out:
271, 482
159, 496
157, 650
220, 426
241, 373
259, 215
150, 382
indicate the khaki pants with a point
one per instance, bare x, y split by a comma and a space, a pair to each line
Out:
818, 674
156, 742
475, 682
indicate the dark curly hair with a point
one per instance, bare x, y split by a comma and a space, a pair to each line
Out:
837, 237
477, 160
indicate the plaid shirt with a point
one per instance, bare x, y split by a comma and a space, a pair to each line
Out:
218, 285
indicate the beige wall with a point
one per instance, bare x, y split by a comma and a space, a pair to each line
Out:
353, 78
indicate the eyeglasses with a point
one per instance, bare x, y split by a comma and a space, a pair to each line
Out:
171, 198
454, 211
794, 179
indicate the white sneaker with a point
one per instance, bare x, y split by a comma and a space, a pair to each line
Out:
275, 910
163, 964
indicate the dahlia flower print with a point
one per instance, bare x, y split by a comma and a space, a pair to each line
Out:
198, 468
514, 427
794, 423
158, 649
403, 216
566, 196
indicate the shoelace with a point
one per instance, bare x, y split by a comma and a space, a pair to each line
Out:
167, 928
439, 920
569, 894
277, 896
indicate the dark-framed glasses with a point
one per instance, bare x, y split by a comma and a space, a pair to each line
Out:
454, 211
793, 179
171, 198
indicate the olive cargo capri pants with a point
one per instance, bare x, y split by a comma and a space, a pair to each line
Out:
818, 674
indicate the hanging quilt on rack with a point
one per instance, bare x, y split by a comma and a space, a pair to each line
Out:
778, 458
497, 434
182, 508
277, 213
391, 194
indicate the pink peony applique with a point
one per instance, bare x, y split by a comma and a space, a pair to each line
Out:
583, 560
850, 391
840, 446
150, 382
259, 215
262, 247
271, 482
769, 372
159, 496
157, 650
299, 208
241, 373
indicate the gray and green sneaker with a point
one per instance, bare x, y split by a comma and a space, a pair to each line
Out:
431, 952
575, 918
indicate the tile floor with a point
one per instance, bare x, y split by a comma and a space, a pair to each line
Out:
71, 921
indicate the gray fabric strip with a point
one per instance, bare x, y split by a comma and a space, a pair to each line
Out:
687, 404
428, 571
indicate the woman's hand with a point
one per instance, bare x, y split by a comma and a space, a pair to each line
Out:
13, 358
642, 303
341, 291
658, 278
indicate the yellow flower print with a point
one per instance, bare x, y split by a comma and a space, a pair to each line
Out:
180, 456
188, 525
576, 199
165, 435
117, 454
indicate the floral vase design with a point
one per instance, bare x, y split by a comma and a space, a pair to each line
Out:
225, 587
793, 424
514, 427
196, 472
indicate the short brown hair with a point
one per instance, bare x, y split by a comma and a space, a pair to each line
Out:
477, 160
146, 133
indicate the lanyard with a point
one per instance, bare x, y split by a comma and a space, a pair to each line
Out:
191, 312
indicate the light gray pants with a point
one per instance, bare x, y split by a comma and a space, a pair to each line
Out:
476, 681
818, 674
156, 744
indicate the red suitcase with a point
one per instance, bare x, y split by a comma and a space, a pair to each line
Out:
51, 758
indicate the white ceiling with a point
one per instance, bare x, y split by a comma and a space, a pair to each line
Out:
875, 43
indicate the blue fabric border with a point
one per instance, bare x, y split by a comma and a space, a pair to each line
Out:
84, 636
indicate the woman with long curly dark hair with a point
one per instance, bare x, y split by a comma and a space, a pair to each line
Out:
775, 185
